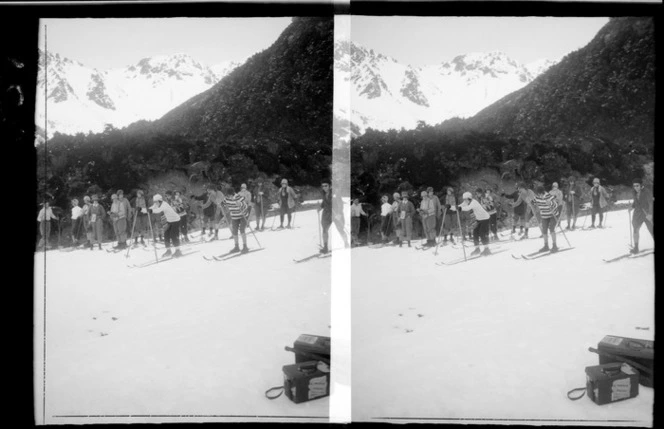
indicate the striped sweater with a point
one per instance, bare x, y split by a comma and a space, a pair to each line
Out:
547, 205
236, 205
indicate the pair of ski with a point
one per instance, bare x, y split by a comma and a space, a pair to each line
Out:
185, 252
630, 255
540, 254
317, 255
470, 257
229, 255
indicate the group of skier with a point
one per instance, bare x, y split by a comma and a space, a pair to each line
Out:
477, 214
166, 218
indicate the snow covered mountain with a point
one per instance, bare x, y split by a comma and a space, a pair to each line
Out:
388, 94
83, 99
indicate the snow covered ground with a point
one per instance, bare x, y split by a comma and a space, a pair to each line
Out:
183, 340
497, 338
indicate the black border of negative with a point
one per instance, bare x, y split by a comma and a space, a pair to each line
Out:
21, 30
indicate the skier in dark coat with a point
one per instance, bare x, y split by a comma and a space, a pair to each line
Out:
332, 208
642, 207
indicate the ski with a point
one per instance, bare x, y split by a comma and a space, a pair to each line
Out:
236, 254
163, 259
630, 255
529, 255
542, 254
307, 258
214, 258
469, 258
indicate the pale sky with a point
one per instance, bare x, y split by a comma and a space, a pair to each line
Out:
420, 41
112, 42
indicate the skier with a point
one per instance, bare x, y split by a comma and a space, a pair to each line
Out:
642, 207
355, 213
548, 209
518, 211
525, 198
113, 213
481, 228
405, 212
439, 211
87, 226
287, 197
599, 199
181, 209
237, 208
209, 212
261, 202
386, 217
486, 200
428, 212
395, 224
247, 198
172, 227
96, 219
141, 208
44, 218
572, 198
558, 194
124, 213
332, 212
76, 219
450, 207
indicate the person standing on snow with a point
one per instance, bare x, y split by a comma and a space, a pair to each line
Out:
355, 213
481, 229
172, 227
486, 200
558, 195
439, 211
548, 209
113, 213
572, 198
287, 197
124, 214
87, 226
395, 224
450, 208
428, 212
405, 213
332, 212
237, 209
181, 209
244, 193
262, 203
599, 199
386, 217
642, 207
142, 227
96, 218
44, 218
76, 221
525, 199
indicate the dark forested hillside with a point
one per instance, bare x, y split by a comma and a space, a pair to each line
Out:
604, 91
272, 116
593, 113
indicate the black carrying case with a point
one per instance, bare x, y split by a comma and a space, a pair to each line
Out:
638, 353
611, 382
305, 381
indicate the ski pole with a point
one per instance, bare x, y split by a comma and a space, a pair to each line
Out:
606, 215
132, 233
320, 232
154, 243
369, 228
252, 232
293, 218
59, 234
561, 230
442, 225
463, 245
274, 218
631, 234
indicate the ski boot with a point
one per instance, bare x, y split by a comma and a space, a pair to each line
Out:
245, 249
167, 253
177, 253
324, 250
634, 250
235, 249
554, 248
545, 248
475, 252
486, 252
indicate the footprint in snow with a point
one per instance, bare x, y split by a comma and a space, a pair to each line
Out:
420, 315
103, 334
408, 331
114, 318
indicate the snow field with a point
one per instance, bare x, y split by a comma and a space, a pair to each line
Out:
497, 338
190, 337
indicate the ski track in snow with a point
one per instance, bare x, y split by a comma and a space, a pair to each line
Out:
499, 338
190, 336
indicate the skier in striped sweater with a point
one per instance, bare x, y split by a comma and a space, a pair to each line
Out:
237, 207
548, 208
